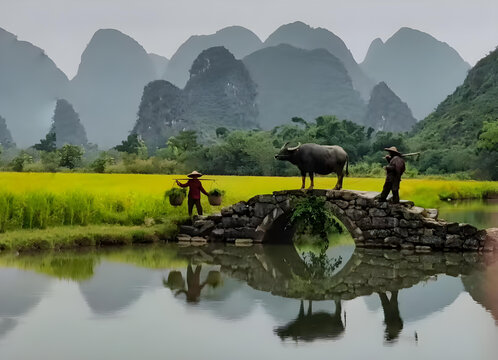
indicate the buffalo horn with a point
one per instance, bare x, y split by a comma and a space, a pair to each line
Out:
295, 148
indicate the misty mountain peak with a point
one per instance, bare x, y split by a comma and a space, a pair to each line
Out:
419, 68
237, 39
106, 90
301, 35
387, 112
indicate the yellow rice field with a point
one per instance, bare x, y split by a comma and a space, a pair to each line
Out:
39, 200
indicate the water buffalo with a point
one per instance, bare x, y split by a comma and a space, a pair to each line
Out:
314, 158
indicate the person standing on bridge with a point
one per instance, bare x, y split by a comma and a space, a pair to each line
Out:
394, 170
194, 193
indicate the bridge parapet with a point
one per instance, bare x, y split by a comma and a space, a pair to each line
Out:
370, 222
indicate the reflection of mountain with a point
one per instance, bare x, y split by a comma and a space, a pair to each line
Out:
482, 285
20, 291
115, 287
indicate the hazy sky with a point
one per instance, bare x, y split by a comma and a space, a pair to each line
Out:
64, 27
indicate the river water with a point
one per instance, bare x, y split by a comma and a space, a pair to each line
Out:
261, 301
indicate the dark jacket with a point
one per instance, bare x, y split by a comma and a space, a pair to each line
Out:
395, 169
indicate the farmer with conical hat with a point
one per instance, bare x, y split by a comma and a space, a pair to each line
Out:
194, 193
394, 170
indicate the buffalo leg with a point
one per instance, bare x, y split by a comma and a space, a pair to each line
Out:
312, 181
340, 177
303, 175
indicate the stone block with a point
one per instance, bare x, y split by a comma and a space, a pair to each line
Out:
384, 222
412, 224
240, 208
285, 205
243, 242
207, 228
215, 217
227, 211
342, 204
392, 240
254, 221
333, 194
453, 228
471, 244
453, 241
363, 202
414, 213
348, 195
431, 213
268, 199
376, 233
198, 239
365, 223
407, 203
183, 237
355, 214
189, 230
331, 206
431, 240
217, 235
377, 212
262, 209
403, 232
422, 248
467, 230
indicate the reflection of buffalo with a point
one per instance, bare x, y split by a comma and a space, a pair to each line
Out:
309, 327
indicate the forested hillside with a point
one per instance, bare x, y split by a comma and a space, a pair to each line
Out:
462, 133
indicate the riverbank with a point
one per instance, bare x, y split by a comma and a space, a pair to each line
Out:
68, 237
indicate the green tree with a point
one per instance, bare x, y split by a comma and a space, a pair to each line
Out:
133, 145
21, 160
184, 141
221, 132
70, 156
50, 160
48, 144
488, 140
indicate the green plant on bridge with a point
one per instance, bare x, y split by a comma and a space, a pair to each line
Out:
310, 216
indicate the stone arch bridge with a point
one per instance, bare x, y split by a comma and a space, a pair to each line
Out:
370, 222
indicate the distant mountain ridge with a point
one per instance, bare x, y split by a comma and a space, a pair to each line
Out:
420, 69
237, 39
304, 83
387, 112
301, 35
219, 93
106, 91
6, 140
30, 83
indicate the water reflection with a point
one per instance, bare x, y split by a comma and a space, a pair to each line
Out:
311, 326
194, 286
392, 319
305, 295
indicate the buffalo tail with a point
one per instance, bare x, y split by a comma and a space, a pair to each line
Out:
347, 165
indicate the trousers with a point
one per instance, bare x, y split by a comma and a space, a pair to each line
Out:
197, 203
390, 186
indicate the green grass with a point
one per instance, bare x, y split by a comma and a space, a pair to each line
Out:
83, 236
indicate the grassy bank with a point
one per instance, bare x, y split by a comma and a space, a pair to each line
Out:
45, 200
84, 236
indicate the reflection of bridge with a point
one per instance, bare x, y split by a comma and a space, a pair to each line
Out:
281, 271
370, 222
